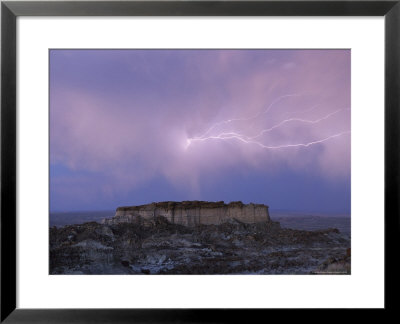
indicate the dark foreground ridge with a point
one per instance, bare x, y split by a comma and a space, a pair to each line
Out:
157, 246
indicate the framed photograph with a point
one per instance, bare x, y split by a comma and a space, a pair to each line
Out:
162, 158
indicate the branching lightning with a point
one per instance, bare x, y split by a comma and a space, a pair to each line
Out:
233, 135
298, 120
249, 118
271, 147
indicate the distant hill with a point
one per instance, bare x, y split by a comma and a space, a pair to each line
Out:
312, 222
69, 218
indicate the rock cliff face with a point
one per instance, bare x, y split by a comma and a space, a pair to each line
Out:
192, 213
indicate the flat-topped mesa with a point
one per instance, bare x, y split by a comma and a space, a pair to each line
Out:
191, 213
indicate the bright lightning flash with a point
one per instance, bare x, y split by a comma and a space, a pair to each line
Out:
188, 142
251, 139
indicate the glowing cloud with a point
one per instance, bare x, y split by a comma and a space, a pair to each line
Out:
175, 123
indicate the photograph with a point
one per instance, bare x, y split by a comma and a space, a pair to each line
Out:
199, 161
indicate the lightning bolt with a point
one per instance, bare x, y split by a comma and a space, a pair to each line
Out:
298, 120
252, 139
239, 138
224, 122
233, 134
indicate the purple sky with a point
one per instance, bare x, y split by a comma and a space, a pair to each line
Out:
131, 127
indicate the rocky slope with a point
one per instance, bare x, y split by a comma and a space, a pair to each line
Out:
158, 246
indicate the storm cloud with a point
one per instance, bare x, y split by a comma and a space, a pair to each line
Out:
130, 121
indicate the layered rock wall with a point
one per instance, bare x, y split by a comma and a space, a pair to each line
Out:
191, 213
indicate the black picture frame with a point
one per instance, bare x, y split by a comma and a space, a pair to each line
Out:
10, 10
